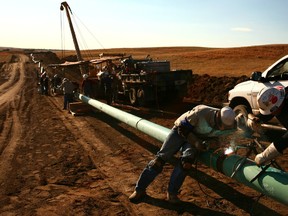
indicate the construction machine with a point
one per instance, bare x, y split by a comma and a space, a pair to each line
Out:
145, 81
140, 81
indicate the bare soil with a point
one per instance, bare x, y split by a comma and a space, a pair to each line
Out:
53, 163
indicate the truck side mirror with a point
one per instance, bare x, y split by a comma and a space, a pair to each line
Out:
256, 76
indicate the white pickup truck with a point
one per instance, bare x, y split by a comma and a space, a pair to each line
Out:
243, 97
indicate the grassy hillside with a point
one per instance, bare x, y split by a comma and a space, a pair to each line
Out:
213, 61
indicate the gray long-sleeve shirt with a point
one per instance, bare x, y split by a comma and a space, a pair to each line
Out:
202, 118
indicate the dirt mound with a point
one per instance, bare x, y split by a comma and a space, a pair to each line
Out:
211, 89
47, 57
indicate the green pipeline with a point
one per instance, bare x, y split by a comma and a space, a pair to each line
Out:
273, 182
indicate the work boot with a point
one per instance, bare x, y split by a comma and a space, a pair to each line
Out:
136, 196
267, 155
172, 198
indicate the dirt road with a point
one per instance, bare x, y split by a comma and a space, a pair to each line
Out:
53, 163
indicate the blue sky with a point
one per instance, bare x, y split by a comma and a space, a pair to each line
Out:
144, 23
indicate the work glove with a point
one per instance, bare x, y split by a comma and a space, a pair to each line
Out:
254, 123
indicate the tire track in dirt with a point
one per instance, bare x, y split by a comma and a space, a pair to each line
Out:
10, 101
95, 148
10, 88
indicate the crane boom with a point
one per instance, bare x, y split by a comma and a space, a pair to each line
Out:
64, 5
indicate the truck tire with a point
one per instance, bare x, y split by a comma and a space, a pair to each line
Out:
132, 96
242, 109
141, 97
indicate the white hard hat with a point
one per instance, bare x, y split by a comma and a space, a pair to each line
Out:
269, 99
227, 116
85, 76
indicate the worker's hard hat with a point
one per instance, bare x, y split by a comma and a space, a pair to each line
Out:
227, 116
85, 76
269, 99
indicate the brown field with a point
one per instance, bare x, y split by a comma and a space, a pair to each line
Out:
212, 61
5, 57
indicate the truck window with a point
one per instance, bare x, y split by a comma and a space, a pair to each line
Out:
279, 69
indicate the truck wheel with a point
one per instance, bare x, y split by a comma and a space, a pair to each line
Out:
141, 97
241, 109
132, 96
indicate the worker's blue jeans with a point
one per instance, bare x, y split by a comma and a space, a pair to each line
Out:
68, 98
173, 143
